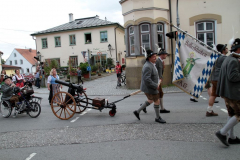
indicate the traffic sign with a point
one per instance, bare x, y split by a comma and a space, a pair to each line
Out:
88, 68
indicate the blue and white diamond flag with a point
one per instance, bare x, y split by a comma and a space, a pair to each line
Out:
193, 65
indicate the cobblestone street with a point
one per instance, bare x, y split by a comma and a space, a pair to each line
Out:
107, 86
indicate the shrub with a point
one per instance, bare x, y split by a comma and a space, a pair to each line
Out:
68, 76
83, 67
94, 68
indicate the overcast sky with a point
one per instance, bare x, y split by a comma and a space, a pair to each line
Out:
20, 18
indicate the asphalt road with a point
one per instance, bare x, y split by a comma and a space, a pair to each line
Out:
188, 133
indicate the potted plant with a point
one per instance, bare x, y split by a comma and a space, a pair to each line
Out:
123, 67
83, 67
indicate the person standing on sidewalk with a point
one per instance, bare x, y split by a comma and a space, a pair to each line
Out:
118, 72
149, 85
215, 75
53, 87
229, 89
37, 76
79, 74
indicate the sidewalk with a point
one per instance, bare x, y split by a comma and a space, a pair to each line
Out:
106, 85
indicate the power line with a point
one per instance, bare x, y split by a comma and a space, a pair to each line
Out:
17, 30
13, 44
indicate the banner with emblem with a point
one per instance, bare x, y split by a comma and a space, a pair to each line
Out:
193, 64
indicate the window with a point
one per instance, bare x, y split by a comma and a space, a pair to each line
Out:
15, 62
21, 61
27, 70
15, 55
103, 36
160, 35
73, 61
98, 60
72, 39
206, 32
131, 40
145, 36
44, 43
88, 38
10, 62
57, 41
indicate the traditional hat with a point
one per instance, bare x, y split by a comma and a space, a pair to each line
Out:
221, 47
150, 53
6, 77
236, 44
162, 51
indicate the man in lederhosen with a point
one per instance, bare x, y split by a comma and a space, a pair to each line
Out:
149, 85
229, 89
160, 67
215, 75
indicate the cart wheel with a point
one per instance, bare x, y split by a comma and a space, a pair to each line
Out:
83, 103
112, 113
63, 105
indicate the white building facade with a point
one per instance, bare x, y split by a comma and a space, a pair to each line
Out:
69, 41
27, 64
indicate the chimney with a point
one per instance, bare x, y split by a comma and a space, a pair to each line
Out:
70, 17
97, 16
105, 18
30, 49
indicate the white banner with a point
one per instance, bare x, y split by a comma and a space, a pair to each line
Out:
193, 65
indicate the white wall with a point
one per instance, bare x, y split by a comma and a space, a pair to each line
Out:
66, 50
19, 57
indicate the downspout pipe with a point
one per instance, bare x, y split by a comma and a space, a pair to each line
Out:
178, 20
116, 40
36, 50
170, 11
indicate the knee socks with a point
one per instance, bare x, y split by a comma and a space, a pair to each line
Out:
230, 124
156, 108
231, 131
143, 106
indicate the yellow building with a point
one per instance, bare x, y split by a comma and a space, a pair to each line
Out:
146, 23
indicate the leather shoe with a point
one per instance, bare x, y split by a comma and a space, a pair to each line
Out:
234, 141
222, 138
160, 120
164, 111
194, 100
136, 114
211, 114
216, 101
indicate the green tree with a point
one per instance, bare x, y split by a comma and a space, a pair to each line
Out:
3, 61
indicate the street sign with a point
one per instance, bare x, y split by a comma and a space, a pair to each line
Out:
88, 68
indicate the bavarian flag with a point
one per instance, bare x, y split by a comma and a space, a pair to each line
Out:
193, 64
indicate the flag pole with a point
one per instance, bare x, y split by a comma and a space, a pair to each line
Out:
209, 47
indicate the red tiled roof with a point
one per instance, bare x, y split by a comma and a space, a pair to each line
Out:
4, 66
29, 56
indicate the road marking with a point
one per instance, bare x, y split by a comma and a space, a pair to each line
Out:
217, 106
75, 119
83, 113
224, 110
201, 96
31, 156
89, 109
204, 98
